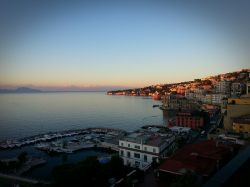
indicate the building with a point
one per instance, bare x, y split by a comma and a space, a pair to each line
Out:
177, 102
203, 159
191, 119
141, 149
196, 94
220, 134
207, 99
242, 124
248, 88
180, 130
216, 99
237, 89
223, 87
235, 107
189, 94
213, 112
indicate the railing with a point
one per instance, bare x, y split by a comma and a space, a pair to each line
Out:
119, 182
23, 179
146, 167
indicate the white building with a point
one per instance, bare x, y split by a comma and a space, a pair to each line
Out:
189, 94
217, 98
140, 149
179, 130
207, 99
223, 87
196, 94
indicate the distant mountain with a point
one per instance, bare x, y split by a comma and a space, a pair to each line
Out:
20, 90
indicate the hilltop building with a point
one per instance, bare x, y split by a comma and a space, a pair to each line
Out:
223, 87
141, 149
215, 99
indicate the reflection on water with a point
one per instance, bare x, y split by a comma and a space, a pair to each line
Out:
29, 114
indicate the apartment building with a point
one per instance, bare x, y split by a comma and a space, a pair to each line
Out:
223, 87
141, 149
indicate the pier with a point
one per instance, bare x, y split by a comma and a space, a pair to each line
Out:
8, 144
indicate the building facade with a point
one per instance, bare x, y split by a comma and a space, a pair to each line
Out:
176, 102
248, 87
191, 119
237, 89
242, 124
216, 99
140, 150
223, 87
235, 107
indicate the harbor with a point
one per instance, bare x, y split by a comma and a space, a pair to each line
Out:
85, 139
48, 150
74, 140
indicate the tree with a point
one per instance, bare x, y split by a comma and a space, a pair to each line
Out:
22, 157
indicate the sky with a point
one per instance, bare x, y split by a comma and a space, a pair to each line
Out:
91, 45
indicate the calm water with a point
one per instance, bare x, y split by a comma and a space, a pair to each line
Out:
29, 114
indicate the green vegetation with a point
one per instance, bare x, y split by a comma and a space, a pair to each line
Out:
89, 172
22, 157
12, 165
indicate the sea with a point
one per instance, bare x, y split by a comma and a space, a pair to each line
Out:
27, 114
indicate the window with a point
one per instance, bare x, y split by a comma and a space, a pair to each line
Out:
136, 155
145, 158
121, 144
128, 163
122, 152
137, 147
128, 154
145, 148
154, 150
137, 164
128, 145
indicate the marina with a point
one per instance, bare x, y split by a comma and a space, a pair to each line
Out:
69, 141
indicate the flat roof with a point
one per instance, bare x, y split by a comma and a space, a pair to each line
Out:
245, 119
201, 158
179, 128
146, 138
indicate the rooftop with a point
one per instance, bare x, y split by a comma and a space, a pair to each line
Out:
146, 138
190, 113
200, 158
245, 119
